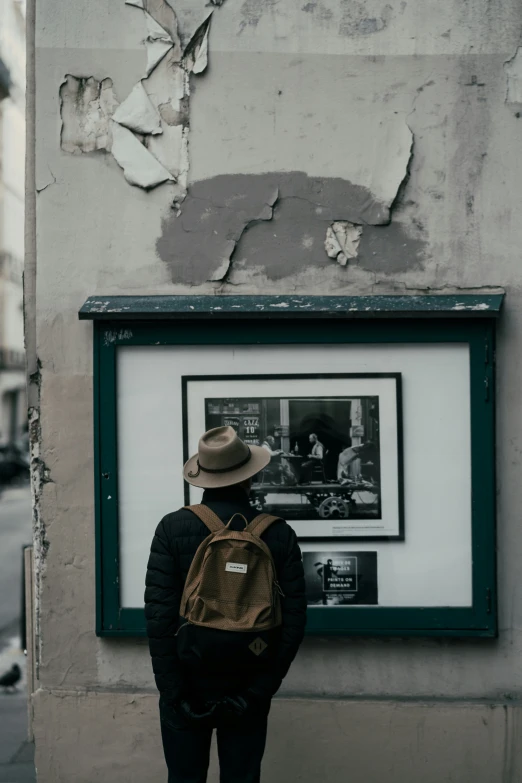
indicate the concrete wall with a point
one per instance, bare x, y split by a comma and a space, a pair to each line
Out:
390, 131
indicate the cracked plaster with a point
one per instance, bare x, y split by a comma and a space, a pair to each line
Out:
513, 71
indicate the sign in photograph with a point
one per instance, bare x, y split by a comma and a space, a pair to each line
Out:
341, 578
334, 441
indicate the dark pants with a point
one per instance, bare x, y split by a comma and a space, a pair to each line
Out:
241, 745
307, 469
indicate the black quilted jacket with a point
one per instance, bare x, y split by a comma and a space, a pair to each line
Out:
175, 542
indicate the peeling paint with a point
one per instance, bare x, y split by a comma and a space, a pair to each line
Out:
462, 306
421, 302
139, 166
111, 336
40, 475
86, 107
172, 116
175, 158
168, 89
158, 42
148, 133
168, 84
224, 219
196, 54
100, 306
342, 241
137, 113
165, 17
513, 70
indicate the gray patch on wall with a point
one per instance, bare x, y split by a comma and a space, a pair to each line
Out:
277, 221
390, 249
355, 19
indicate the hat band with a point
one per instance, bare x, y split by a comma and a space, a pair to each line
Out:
220, 470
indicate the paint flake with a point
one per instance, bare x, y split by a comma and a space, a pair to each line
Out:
196, 53
342, 241
158, 43
513, 70
163, 14
137, 113
462, 306
139, 166
167, 85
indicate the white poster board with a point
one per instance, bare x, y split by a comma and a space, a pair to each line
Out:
431, 567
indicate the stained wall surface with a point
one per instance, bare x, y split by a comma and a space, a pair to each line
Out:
257, 146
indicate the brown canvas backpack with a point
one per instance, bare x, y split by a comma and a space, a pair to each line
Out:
232, 582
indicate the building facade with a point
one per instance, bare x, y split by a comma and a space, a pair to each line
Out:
263, 147
13, 405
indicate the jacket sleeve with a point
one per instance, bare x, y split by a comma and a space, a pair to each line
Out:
162, 600
293, 605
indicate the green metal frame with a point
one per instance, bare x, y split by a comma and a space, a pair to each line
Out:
479, 620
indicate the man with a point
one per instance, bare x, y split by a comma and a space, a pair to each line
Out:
234, 701
315, 457
279, 467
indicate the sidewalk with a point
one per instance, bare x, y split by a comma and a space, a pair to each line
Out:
16, 753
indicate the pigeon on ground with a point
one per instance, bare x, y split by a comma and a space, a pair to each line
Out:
10, 678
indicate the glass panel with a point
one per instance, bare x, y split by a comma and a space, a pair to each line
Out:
431, 567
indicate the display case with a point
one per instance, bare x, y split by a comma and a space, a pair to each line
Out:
379, 414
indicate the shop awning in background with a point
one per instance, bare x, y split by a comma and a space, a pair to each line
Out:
5, 80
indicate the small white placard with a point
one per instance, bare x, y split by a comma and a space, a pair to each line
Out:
236, 568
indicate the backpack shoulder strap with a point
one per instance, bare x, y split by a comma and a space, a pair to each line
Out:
261, 523
211, 520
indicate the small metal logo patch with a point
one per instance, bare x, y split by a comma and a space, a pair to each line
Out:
258, 646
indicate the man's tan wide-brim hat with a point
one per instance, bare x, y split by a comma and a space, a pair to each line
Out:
223, 459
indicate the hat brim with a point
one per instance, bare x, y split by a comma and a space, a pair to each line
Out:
259, 460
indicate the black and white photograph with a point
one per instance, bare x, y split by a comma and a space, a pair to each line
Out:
334, 441
341, 578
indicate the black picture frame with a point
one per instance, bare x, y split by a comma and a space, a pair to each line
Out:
321, 490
